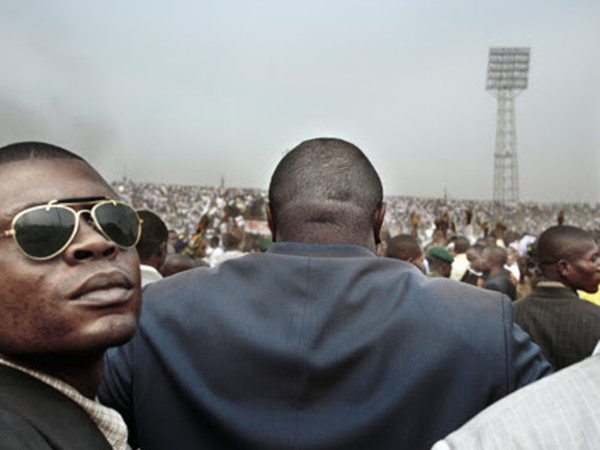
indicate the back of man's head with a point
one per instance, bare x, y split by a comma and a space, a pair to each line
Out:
404, 247
325, 191
152, 248
495, 256
176, 263
461, 244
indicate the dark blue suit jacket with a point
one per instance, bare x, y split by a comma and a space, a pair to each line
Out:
314, 347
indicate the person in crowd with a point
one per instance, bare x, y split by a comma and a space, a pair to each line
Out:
460, 262
564, 326
438, 238
316, 343
474, 274
406, 247
179, 243
497, 235
181, 207
232, 244
196, 246
176, 263
592, 297
558, 412
439, 262
70, 281
512, 264
152, 246
496, 277
214, 251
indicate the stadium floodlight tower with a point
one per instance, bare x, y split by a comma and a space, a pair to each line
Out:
506, 78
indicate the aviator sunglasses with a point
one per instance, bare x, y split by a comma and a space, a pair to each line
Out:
43, 232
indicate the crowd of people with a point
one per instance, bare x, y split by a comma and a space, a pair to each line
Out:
320, 324
182, 207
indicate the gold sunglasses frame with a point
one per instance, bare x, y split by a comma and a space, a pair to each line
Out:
66, 204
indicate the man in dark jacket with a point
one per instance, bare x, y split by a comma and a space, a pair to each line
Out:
564, 326
496, 276
316, 343
70, 289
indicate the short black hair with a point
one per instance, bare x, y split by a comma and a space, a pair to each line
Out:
154, 234
21, 151
559, 242
461, 244
477, 248
498, 255
325, 182
404, 247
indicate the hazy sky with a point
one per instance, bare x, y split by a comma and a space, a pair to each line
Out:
186, 91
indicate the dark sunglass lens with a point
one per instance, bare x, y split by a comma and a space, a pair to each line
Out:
119, 222
44, 231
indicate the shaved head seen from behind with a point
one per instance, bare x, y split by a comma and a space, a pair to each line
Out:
406, 248
326, 190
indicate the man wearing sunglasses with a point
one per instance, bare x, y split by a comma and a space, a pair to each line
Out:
70, 289
316, 343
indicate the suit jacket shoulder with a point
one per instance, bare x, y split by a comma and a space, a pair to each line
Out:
35, 416
501, 282
314, 346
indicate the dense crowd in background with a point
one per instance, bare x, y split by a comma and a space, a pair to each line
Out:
182, 207
233, 222
320, 328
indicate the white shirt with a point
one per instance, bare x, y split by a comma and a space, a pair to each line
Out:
149, 274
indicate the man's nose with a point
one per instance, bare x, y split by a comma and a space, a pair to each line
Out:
90, 243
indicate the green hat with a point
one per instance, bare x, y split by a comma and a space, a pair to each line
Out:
440, 252
264, 244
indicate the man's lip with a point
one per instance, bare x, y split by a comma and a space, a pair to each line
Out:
99, 284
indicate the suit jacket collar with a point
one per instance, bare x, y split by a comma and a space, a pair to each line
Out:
553, 291
61, 422
319, 250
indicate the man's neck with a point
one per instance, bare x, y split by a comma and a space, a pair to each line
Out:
494, 271
549, 282
330, 239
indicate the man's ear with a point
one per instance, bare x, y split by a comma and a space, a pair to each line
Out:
378, 222
271, 221
563, 267
160, 255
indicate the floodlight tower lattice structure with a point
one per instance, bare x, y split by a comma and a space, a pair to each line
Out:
508, 69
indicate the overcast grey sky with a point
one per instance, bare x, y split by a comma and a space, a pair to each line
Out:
185, 91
